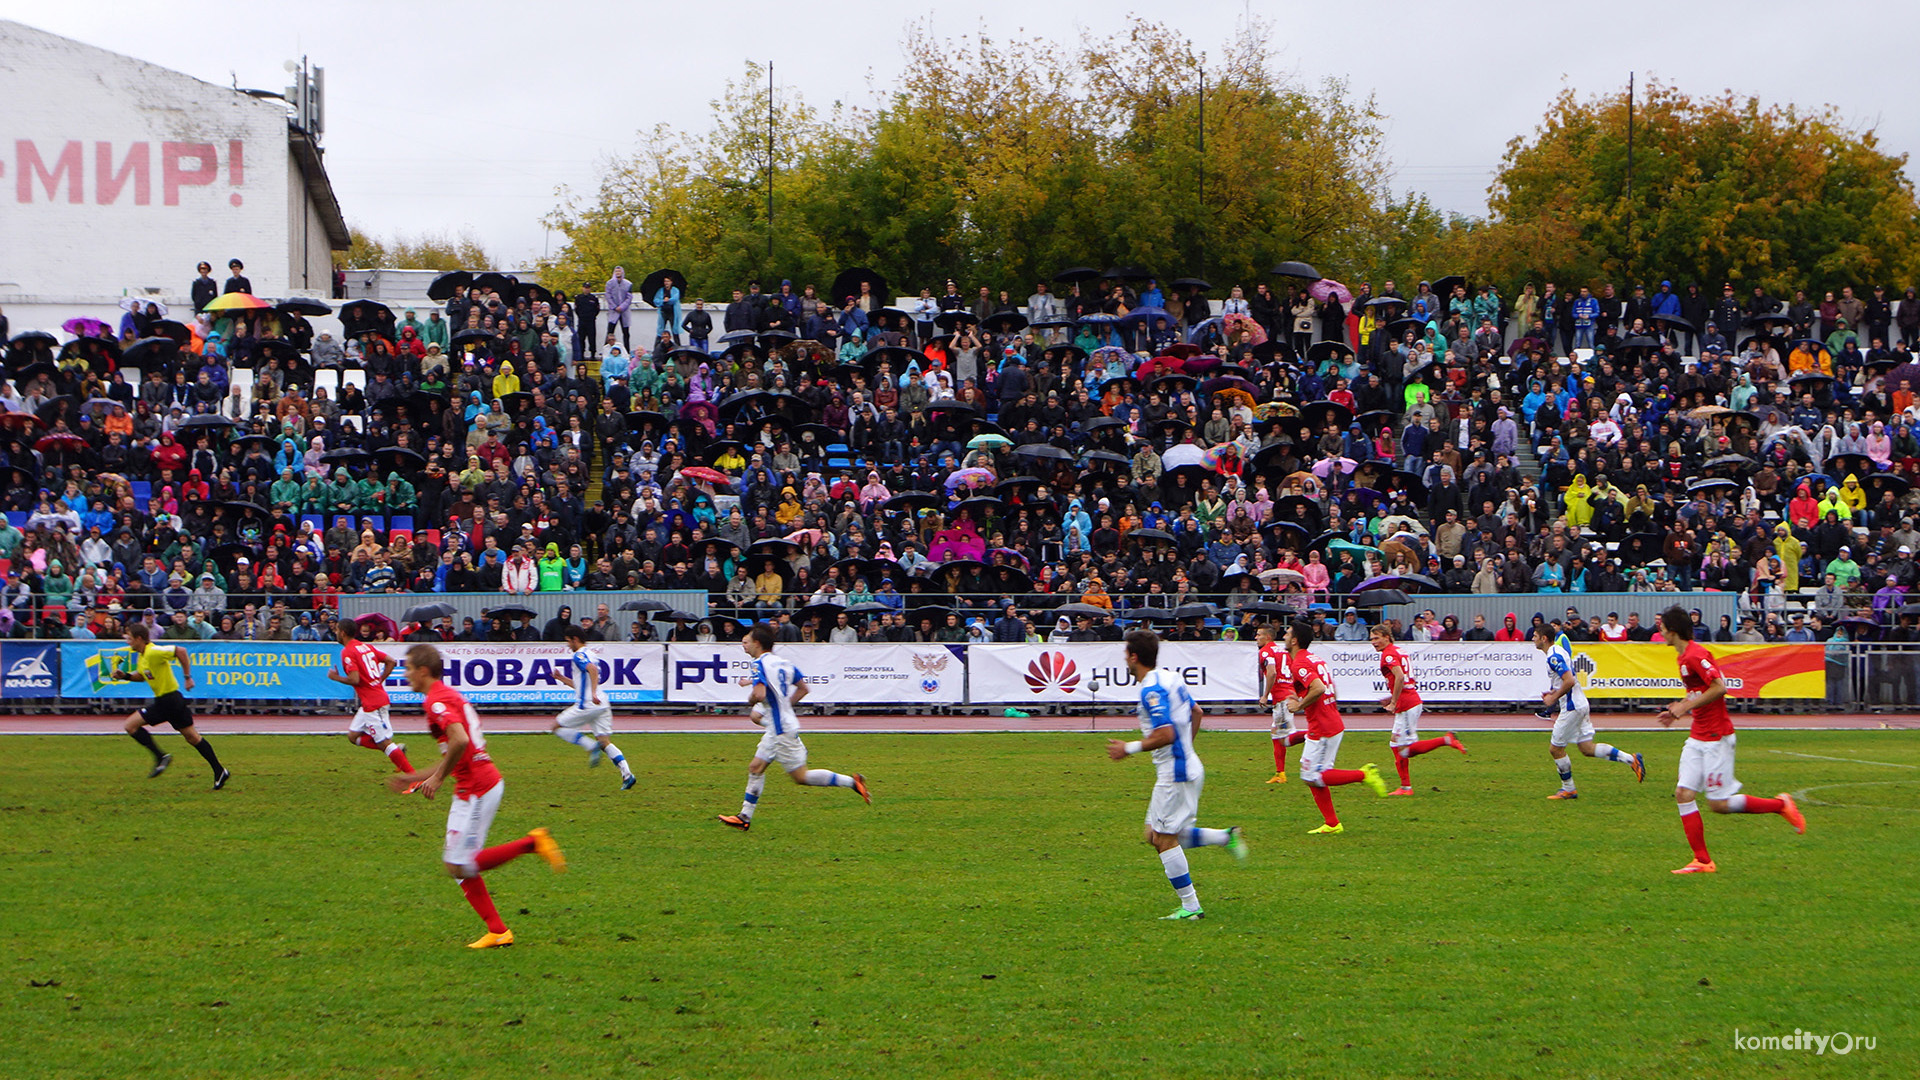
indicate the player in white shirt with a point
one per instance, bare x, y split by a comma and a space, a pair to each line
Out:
1566, 704
588, 722
1168, 721
778, 688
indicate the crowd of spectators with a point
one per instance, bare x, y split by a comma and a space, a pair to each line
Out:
966, 465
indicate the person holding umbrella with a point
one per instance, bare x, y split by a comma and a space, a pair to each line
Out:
666, 301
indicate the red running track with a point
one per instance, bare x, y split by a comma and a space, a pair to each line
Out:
734, 724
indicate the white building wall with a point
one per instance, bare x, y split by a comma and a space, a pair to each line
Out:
150, 171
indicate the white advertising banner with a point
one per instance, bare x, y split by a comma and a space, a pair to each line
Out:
1097, 672
720, 673
1449, 672
489, 673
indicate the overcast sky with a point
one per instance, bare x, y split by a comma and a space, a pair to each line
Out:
443, 117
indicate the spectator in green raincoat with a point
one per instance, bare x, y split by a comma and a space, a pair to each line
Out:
313, 497
553, 569
343, 494
400, 495
366, 495
285, 494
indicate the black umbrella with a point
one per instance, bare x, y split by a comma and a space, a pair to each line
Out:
516, 402
1678, 322
1443, 287
1148, 614
474, 336
1094, 458
772, 545
303, 305
148, 351
399, 458
1712, 482
494, 281
1400, 326
737, 337
952, 405
985, 504
645, 605
446, 285
1125, 273
424, 613
1387, 301
1004, 322
652, 282
169, 328
955, 319
1324, 350
1090, 610
511, 611
1077, 273
1373, 598
1194, 283
346, 455
34, 339
365, 311
1043, 452
206, 420
1318, 414
1194, 611
914, 500
847, 283
532, 292
1296, 270
1152, 534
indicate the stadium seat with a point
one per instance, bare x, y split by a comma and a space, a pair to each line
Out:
319, 522
142, 491
399, 536
17, 518
402, 523
431, 536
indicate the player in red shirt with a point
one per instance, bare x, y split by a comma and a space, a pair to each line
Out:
476, 793
366, 668
1313, 697
1403, 701
1276, 686
1706, 763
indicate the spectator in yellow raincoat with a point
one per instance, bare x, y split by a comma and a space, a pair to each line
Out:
1853, 494
1579, 502
1790, 549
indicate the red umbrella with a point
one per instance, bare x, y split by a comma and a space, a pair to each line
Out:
703, 475
60, 442
21, 421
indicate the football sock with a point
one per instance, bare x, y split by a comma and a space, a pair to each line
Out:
476, 890
1297, 737
488, 858
205, 746
1279, 753
1336, 777
1696, 830
1754, 804
1400, 763
1205, 838
824, 778
755, 784
1607, 752
1424, 746
1323, 799
398, 757
361, 738
1175, 861
1565, 765
145, 738
583, 740
618, 758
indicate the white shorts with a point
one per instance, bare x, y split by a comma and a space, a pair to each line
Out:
1318, 757
788, 750
374, 723
1708, 766
1574, 726
1282, 721
1406, 727
468, 820
1174, 806
599, 717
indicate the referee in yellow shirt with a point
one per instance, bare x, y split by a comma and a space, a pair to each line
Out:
153, 665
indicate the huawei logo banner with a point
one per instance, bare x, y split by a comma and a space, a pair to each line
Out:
1053, 671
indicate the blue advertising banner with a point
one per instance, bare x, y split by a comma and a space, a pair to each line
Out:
29, 670
273, 670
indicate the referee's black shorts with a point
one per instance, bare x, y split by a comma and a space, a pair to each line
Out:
168, 708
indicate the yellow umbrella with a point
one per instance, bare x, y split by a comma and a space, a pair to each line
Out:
237, 301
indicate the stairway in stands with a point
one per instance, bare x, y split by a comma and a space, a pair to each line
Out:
1527, 461
597, 467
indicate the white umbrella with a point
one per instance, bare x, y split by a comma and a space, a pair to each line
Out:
133, 302
1184, 454
1284, 576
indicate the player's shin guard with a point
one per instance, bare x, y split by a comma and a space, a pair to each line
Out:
488, 858
1323, 799
1565, 765
205, 746
1279, 753
482, 901
582, 739
755, 784
1609, 752
1424, 746
1400, 763
398, 757
1754, 804
1198, 837
1337, 777
619, 759
1696, 830
1175, 861
825, 778
145, 738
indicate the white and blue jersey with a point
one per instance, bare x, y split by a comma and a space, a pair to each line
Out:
583, 661
1559, 666
781, 678
1165, 702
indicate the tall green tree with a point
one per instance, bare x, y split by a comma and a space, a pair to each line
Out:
1723, 188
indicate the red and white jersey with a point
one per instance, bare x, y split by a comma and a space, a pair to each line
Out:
1323, 716
1276, 673
473, 773
362, 659
1697, 671
1613, 632
1392, 660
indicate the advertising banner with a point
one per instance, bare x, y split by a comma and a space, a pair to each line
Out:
1097, 672
1640, 670
516, 673
1448, 672
719, 673
29, 670
230, 670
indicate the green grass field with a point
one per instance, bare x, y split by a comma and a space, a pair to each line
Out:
992, 914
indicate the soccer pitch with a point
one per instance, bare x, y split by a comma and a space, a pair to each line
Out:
994, 913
